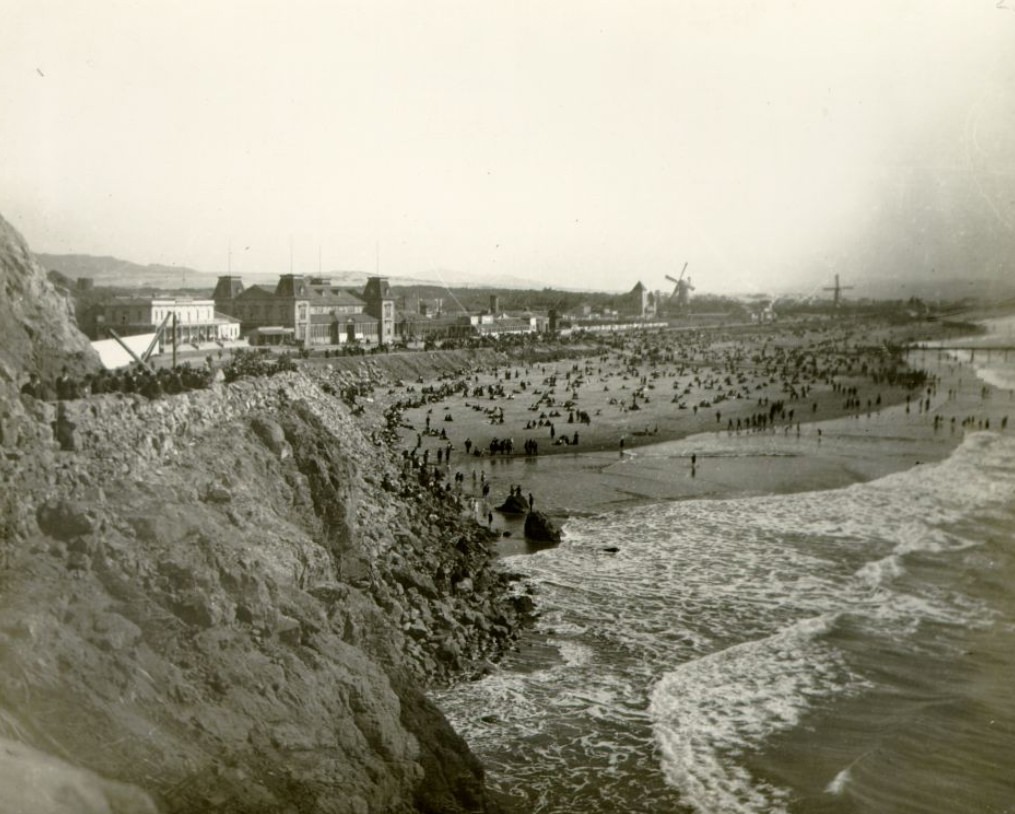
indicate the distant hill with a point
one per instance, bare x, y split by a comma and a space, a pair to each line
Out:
112, 271
115, 272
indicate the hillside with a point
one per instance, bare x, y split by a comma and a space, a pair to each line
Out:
112, 271
116, 272
232, 600
37, 329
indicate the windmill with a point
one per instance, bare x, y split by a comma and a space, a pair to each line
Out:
837, 289
681, 289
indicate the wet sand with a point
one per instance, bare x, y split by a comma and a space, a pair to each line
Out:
830, 441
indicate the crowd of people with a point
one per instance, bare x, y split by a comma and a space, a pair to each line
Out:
145, 381
615, 387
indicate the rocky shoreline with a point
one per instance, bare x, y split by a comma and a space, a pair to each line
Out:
226, 599
237, 598
231, 557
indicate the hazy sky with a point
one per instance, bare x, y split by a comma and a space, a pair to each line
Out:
577, 143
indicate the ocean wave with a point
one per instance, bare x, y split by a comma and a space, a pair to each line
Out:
716, 624
707, 712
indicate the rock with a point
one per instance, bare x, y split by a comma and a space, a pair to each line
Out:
37, 329
35, 782
114, 633
217, 493
63, 431
288, 629
412, 578
66, 519
523, 604
540, 528
270, 433
268, 652
515, 504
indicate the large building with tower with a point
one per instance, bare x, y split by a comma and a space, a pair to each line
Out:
306, 311
380, 304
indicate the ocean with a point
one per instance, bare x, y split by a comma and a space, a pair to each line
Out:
838, 650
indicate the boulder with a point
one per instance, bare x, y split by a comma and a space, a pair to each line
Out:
66, 519
515, 504
541, 528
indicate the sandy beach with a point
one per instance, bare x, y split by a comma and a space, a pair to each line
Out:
675, 417
779, 593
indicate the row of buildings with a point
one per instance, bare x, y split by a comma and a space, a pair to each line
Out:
304, 311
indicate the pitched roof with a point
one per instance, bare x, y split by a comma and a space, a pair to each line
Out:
335, 296
256, 292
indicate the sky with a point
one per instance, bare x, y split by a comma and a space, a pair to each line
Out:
583, 144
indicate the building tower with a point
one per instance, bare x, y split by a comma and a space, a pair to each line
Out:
381, 304
294, 290
227, 289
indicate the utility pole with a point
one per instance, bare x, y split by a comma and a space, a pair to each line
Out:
174, 340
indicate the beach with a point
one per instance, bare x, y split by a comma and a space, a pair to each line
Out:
672, 447
803, 623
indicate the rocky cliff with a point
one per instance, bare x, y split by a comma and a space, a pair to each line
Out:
37, 330
230, 600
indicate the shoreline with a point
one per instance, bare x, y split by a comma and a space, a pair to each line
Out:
850, 451
838, 441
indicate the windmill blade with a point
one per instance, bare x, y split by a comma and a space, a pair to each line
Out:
683, 270
672, 279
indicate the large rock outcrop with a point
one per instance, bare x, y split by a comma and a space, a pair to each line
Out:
229, 600
226, 600
540, 528
37, 330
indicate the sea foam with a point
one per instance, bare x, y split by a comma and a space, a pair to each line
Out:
714, 626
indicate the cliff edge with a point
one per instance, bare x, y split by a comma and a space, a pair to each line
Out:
231, 600
37, 330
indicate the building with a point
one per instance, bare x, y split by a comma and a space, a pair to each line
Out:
380, 304
410, 327
304, 308
197, 321
640, 302
496, 325
309, 311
